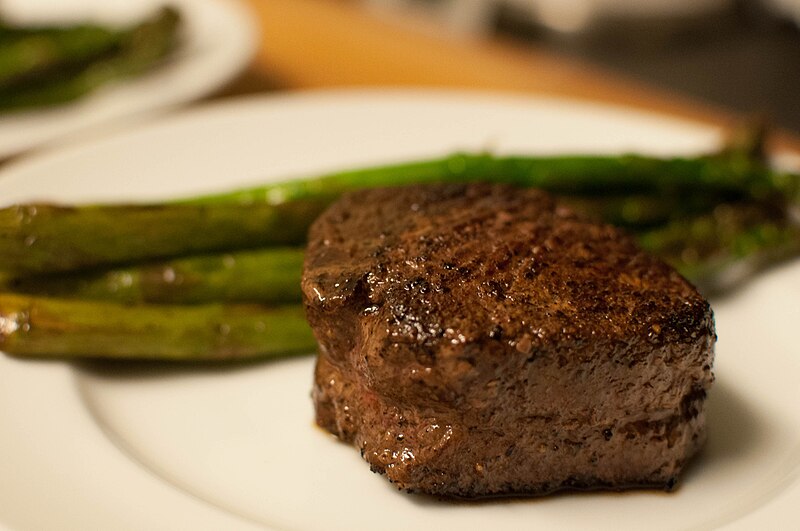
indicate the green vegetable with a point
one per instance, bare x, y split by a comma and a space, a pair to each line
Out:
29, 55
720, 249
47, 68
37, 239
268, 276
718, 177
33, 326
40, 238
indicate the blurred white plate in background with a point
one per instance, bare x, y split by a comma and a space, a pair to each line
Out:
217, 42
126, 446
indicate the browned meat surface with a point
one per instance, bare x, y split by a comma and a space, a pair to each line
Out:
479, 340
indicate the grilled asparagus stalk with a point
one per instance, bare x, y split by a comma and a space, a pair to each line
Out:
36, 239
40, 238
267, 276
711, 217
45, 327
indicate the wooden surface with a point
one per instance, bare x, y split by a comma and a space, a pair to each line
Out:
338, 43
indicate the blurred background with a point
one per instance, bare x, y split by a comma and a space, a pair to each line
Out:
715, 61
739, 54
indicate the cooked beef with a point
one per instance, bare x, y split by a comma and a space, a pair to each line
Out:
481, 340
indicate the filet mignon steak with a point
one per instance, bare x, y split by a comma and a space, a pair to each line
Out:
482, 340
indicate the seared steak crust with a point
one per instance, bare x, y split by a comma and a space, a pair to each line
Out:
480, 340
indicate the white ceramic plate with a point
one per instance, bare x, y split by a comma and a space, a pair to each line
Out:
217, 41
115, 446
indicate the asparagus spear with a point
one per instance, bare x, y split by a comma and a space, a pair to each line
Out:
713, 250
723, 177
41, 238
717, 250
140, 49
34, 326
268, 276
30, 55
637, 212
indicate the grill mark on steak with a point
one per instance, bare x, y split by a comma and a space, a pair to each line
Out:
481, 340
